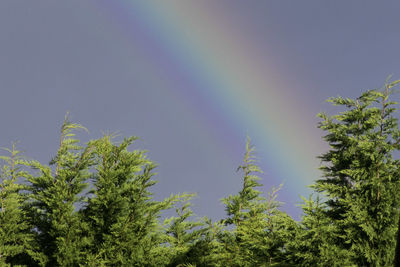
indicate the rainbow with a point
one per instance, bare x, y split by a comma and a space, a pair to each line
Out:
227, 74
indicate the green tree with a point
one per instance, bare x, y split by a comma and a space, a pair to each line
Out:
184, 236
16, 245
210, 248
54, 194
361, 177
260, 228
313, 244
121, 215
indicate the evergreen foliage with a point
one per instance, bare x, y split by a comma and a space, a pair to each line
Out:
313, 244
183, 235
260, 228
53, 195
92, 204
121, 215
15, 237
361, 177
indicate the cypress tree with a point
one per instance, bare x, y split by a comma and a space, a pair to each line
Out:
121, 215
361, 177
260, 228
312, 244
54, 195
16, 246
184, 236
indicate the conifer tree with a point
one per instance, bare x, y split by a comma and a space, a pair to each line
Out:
239, 206
16, 245
211, 247
121, 215
260, 229
312, 244
54, 195
361, 177
184, 235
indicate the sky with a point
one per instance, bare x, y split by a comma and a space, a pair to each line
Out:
192, 79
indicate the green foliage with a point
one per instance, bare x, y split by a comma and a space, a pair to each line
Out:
261, 229
121, 215
240, 207
93, 206
313, 244
183, 235
53, 197
361, 178
15, 237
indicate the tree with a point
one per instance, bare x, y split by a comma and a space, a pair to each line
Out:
361, 177
184, 236
121, 215
312, 244
16, 245
261, 229
54, 195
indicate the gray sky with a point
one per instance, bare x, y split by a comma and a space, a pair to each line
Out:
110, 66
